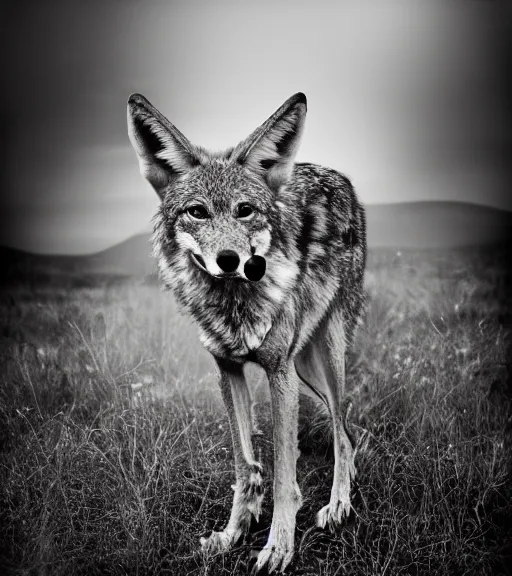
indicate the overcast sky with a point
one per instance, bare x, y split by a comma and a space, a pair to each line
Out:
408, 98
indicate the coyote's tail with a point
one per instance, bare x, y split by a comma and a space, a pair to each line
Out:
323, 416
318, 394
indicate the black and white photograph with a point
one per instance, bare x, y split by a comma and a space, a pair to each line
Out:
256, 288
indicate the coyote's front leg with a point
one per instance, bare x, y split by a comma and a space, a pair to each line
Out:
248, 488
284, 394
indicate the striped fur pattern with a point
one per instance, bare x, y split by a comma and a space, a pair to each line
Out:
305, 228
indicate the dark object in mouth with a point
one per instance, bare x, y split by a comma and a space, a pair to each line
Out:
255, 268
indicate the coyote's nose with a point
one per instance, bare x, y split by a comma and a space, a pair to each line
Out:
228, 260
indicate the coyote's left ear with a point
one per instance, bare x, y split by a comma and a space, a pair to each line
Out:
270, 150
163, 151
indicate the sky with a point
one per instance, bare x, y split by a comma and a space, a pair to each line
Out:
409, 98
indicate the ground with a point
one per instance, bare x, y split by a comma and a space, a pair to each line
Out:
115, 454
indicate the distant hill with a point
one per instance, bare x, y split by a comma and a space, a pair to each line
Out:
132, 256
436, 225
414, 225
129, 258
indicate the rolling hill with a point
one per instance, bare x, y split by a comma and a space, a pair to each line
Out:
418, 225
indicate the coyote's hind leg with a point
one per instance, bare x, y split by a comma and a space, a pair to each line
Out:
328, 354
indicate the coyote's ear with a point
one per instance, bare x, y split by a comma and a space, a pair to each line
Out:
163, 151
270, 150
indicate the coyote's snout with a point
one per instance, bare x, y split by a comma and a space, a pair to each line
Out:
268, 257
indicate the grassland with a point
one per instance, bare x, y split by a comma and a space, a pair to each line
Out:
115, 453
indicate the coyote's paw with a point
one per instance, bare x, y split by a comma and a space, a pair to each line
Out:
217, 542
247, 503
274, 557
277, 553
339, 505
333, 513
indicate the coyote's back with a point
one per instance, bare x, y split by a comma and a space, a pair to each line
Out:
268, 257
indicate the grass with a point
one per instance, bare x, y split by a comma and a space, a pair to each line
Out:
115, 455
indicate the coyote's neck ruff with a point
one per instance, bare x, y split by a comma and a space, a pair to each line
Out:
268, 257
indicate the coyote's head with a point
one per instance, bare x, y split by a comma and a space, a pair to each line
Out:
219, 210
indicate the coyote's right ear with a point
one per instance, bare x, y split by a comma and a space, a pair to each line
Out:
270, 150
163, 151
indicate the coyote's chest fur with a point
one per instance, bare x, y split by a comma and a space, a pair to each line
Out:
234, 318
246, 338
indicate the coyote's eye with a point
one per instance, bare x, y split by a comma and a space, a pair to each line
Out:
198, 212
245, 211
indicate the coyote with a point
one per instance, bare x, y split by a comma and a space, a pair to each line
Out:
268, 257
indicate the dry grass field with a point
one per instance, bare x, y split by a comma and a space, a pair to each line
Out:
115, 453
